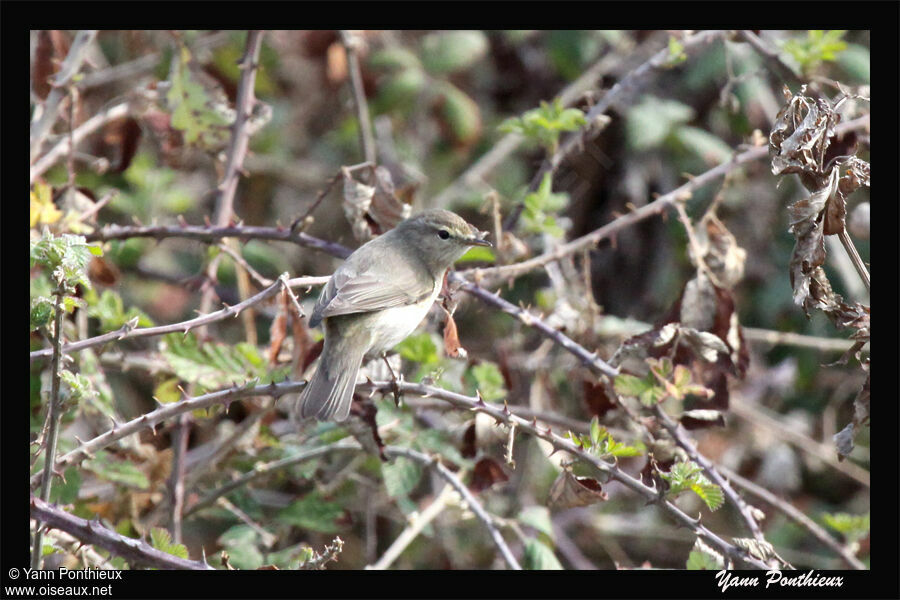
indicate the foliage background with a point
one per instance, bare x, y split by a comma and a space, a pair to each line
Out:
438, 101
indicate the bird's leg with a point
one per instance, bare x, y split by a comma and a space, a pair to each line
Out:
395, 387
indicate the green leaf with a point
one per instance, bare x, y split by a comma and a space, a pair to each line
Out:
66, 257
393, 58
313, 512
479, 254
687, 475
400, 90
419, 348
488, 380
544, 124
401, 476
242, 544
213, 365
704, 558
110, 309
652, 120
162, 540
597, 432
538, 517
451, 51
204, 120
852, 527
41, 312
460, 114
66, 491
710, 493
106, 467
646, 389
80, 387
538, 557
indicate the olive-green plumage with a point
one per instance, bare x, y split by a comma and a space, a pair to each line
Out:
376, 299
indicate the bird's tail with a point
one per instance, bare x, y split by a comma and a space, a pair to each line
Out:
329, 392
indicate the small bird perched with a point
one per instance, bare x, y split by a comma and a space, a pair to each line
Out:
378, 297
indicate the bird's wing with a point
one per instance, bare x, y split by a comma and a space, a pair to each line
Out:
357, 287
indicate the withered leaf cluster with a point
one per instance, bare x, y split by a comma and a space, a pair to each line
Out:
803, 141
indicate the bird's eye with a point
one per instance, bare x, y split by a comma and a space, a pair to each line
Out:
444, 234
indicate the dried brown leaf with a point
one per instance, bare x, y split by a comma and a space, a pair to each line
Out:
569, 491
486, 473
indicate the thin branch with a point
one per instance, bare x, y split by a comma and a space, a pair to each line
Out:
136, 552
129, 331
367, 141
858, 263
412, 531
823, 452
658, 206
165, 412
588, 241
145, 63
114, 112
240, 136
213, 234
795, 515
264, 469
48, 113
771, 58
787, 338
176, 483
450, 477
53, 418
590, 359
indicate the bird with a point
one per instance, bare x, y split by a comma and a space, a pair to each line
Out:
376, 298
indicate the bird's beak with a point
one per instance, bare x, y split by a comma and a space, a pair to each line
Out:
479, 242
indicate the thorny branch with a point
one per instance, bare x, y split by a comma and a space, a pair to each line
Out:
129, 331
136, 552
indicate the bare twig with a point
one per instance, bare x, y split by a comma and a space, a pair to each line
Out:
858, 263
261, 470
129, 331
243, 264
176, 483
823, 452
145, 63
770, 56
787, 338
114, 112
367, 141
136, 552
213, 234
412, 530
48, 113
237, 150
53, 418
795, 515
590, 359
240, 136
433, 463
